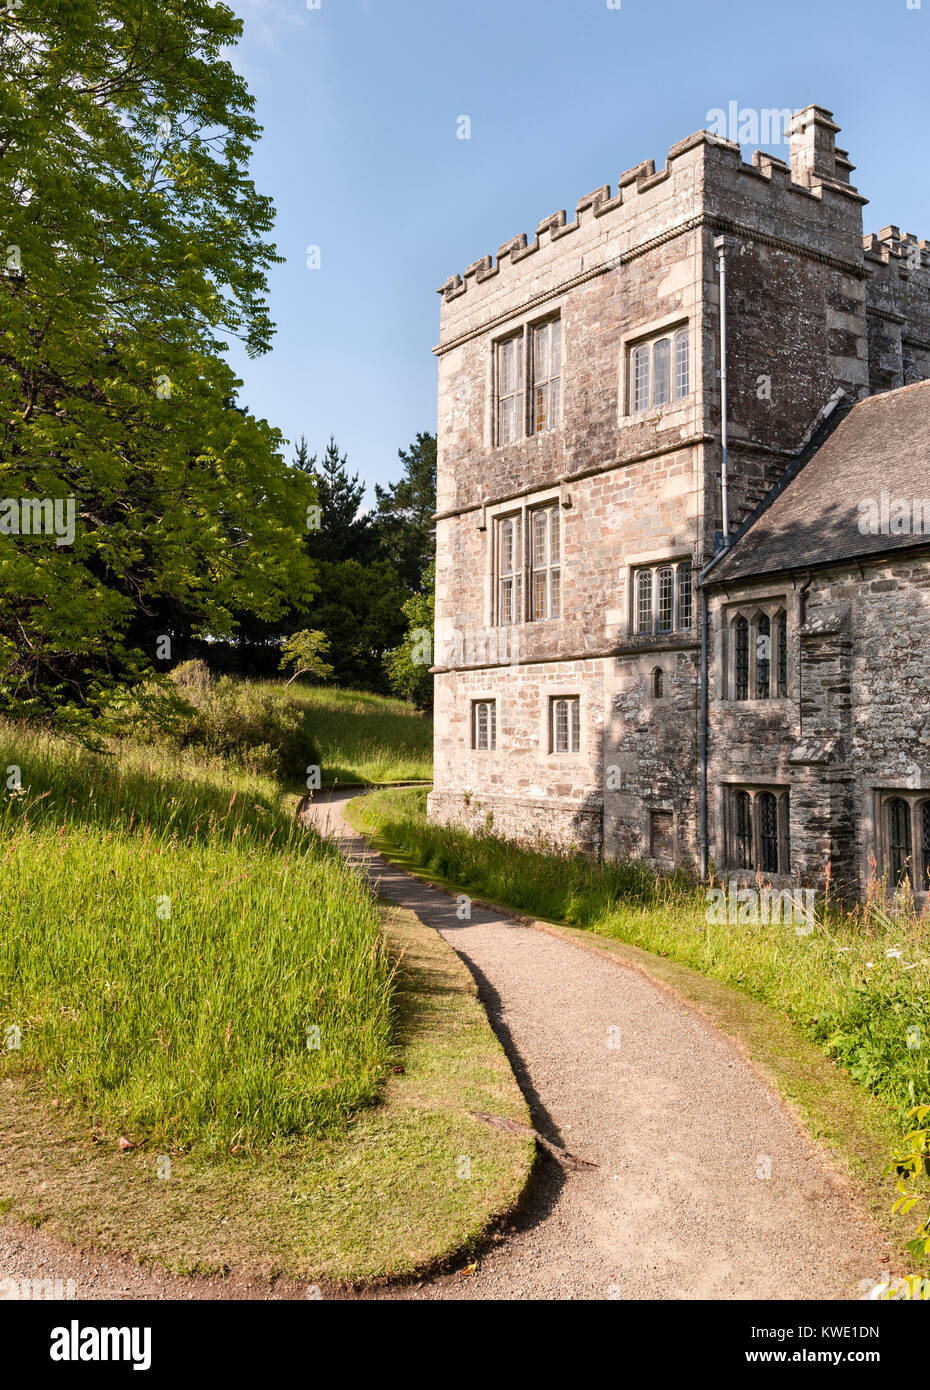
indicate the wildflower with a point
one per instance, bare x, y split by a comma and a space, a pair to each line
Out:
893, 953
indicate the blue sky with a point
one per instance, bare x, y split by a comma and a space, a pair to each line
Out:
360, 102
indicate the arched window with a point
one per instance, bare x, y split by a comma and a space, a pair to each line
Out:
742, 829
662, 372
741, 659
665, 599
644, 601
682, 385
899, 838
781, 652
925, 844
768, 833
639, 369
763, 657
658, 683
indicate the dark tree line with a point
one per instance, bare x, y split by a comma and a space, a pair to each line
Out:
367, 565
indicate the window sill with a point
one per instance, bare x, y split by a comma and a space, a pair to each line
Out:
657, 642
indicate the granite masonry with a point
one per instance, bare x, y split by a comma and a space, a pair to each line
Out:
581, 557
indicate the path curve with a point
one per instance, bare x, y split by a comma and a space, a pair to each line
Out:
677, 1121
682, 1129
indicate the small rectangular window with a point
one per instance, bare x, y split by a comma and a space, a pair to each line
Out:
682, 384
661, 836
662, 372
484, 725
639, 371
565, 724
665, 599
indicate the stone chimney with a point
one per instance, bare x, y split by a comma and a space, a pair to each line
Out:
813, 147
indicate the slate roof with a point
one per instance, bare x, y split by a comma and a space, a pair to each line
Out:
881, 445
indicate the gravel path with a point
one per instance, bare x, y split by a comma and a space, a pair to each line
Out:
619, 1072
616, 1070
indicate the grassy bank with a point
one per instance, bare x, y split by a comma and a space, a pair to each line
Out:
220, 1052
173, 943
364, 738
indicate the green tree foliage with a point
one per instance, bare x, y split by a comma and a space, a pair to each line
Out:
303, 653
344, 533
408, 664
360, 609
404, 512
135, 243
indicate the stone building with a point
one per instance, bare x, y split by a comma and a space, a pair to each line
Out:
591, 530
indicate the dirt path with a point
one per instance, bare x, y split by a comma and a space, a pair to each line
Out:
618, 1072
682, 1129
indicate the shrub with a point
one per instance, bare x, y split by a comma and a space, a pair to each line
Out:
256, 726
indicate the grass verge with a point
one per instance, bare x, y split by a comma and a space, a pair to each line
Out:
382, 1200
743, 983
172, 942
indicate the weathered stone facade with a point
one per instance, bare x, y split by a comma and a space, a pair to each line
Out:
811, 309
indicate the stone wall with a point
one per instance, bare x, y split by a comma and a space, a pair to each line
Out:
810, 309
856, 719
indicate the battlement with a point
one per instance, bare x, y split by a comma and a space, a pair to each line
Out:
818, 173
890, 245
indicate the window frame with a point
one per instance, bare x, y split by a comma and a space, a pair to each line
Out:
572, 725
765, 678
917, 868
514, 574
746, 841
658, 369
550, 569
649, 576
517, 395
526, 379
542, 331
488, 703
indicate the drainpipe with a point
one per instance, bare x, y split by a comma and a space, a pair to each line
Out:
723, 246
802, 619
705, 618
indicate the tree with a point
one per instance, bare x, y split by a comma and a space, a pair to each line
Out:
360, 609
404, 512
135, 242
343, 533
305, 652
408, 665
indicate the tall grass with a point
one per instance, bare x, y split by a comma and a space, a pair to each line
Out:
859, 984
171, 943
367, 738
